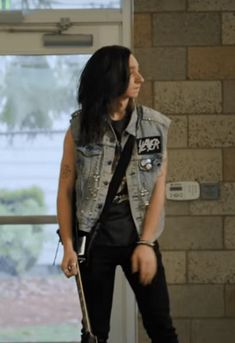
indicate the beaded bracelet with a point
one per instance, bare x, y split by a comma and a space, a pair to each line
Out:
146, 242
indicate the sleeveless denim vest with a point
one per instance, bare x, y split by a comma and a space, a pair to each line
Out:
94, 167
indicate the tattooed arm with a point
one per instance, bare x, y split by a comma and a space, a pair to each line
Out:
64, 203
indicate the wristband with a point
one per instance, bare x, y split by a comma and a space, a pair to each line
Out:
146, 242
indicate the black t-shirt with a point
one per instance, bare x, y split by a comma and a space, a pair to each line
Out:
118, 228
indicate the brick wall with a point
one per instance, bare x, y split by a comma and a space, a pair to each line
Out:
186, 50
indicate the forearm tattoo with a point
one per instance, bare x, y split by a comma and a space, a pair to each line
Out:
66, 171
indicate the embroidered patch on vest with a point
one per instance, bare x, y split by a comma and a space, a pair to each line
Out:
149, 145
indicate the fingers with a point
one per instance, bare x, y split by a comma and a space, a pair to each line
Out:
134, 264
146, 275
70, 269
144, 261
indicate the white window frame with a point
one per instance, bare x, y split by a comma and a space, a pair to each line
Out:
107, 26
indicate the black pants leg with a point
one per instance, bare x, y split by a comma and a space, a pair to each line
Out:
98, 283
153, 300
153, 303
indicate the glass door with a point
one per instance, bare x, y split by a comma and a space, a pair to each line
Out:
38, 96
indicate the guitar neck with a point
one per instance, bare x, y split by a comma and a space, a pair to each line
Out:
86, 319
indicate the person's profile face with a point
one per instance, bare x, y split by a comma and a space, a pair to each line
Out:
136, 79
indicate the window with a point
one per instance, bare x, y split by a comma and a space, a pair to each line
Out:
58, 4
37, 303
38, 96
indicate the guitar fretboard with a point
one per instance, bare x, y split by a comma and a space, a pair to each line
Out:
85, 316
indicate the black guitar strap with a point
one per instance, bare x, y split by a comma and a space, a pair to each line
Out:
118, 175
120, 169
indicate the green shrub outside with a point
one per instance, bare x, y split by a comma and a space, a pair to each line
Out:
20, 245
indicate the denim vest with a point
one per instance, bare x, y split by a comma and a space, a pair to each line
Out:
94, 166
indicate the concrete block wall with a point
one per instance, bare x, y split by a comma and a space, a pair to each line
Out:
186, 50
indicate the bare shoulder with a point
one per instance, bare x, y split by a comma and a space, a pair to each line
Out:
68, 138
68, 159
68, 143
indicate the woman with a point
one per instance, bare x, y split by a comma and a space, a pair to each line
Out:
109, 84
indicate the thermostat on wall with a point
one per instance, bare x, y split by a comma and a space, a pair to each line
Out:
182, 190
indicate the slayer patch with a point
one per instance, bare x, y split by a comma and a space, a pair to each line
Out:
148, 145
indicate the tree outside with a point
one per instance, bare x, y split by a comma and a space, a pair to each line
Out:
37, 91
19, 252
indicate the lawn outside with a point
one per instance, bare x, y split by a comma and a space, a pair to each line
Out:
39, 309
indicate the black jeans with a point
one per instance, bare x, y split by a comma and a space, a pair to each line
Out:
152, 300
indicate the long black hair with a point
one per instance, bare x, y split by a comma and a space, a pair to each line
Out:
104, 79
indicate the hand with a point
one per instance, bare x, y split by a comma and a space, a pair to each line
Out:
69, 263
144, 261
